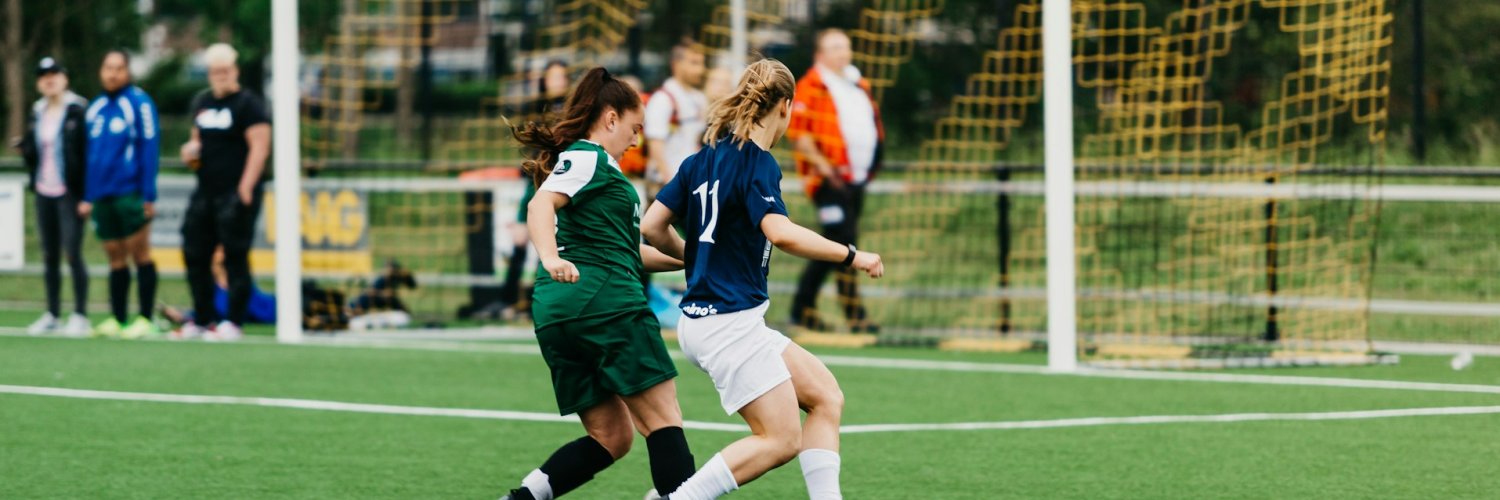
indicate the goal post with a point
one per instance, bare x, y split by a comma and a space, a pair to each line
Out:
287, 164
1091, 188
1057, 95
739, 40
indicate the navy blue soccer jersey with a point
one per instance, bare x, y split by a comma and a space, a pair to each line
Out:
720, 195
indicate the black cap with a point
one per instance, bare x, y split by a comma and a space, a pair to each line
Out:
49, 66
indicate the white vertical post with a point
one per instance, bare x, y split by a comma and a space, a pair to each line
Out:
1057, 89
287, 156
739, 37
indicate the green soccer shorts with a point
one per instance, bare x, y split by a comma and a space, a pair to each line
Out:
118, 217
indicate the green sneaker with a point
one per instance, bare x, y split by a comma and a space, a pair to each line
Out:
140, 328
108, 328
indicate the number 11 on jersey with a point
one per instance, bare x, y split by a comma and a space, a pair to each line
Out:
706, 220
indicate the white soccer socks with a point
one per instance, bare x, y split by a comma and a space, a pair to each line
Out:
712, 481
536, 481
821, 470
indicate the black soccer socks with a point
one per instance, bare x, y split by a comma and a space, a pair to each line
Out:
119, 285
671, 460
576, 463
147, 274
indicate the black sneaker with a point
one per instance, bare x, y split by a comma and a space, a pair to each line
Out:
864, 326
812, 323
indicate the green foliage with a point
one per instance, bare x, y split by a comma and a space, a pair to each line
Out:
246, 24
1460, 69
77, 33
1462, 77
170, 87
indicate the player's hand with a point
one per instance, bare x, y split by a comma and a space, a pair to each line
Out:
247, 195
834, 180
85, 208
189, 154
561, 270
870, 263
15, 143
150, 209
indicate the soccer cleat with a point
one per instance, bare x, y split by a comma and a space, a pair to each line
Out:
225, 331
108, 328
518, 494
77, 326
43, 325
140, 328
652, 495
189, 331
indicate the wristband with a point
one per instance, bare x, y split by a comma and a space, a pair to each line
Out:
849, 260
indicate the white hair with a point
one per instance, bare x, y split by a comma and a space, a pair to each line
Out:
220, 54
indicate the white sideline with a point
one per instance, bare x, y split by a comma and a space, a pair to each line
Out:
313, 404
521, 416
1173, 419
1233, 378
921, 365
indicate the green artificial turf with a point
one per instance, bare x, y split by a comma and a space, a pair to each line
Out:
78, 448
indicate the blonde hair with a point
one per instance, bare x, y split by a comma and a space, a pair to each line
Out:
766, 84
220, 53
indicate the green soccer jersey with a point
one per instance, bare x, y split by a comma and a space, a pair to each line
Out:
601, 225
598, 231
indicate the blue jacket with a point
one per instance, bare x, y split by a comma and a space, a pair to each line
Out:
124, 145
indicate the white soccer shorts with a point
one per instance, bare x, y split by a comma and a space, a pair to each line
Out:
738, 351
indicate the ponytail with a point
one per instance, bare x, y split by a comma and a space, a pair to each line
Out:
765, 85
596, 92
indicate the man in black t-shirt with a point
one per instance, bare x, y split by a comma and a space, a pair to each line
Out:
231, 140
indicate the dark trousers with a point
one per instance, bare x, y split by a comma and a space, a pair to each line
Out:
839, 212
62, 233
212, 221
510, 291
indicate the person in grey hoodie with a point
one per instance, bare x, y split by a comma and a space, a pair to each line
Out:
54, 148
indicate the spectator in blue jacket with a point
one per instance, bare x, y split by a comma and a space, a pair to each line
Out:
120, 191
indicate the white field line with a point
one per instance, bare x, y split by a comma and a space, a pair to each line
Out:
313, 404
946, 366
520, 416
1173, 419
915, 364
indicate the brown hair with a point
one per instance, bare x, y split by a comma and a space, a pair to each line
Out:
684, 47
596, 92
766, 84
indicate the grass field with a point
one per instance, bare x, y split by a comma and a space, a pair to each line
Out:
67, 447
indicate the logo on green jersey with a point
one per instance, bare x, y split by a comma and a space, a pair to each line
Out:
563, 167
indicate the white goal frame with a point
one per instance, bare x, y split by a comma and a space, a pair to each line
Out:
1058, 101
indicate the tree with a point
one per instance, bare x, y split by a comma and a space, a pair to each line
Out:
246, 24
14, 56
1461, 78
92, 27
